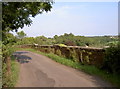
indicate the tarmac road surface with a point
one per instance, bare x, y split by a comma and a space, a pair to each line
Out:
39, 71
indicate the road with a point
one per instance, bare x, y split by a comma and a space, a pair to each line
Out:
39, 71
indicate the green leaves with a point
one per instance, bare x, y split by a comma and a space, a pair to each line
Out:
7, 50
112, 59
17, 14
21, 35
14, 16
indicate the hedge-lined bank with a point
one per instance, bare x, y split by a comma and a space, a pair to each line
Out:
85, 55
105, 59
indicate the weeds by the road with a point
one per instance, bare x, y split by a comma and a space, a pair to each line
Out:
11, 80
90, 69
15, 71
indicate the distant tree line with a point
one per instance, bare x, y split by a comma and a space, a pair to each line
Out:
66, 39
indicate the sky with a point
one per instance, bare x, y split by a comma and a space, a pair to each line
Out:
79, 18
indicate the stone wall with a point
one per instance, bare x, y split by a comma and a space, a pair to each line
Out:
85, 55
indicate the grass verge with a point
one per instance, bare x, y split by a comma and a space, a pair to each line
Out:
90, 69
11, 80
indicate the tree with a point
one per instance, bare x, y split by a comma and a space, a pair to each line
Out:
56, 36
41, 40
21, 35
10, 39
17, 14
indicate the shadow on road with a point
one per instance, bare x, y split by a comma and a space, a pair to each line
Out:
19, 53
22, 58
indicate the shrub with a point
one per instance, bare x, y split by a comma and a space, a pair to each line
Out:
112, 59
70, 43
7, 51
73, 55
58, 52
113, 43
62, 45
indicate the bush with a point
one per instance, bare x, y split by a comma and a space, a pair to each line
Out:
11, 79
70, 43
62, 45
112, 59
112, 43
7, 51
58, 52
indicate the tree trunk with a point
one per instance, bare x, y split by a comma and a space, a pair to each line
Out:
8, 63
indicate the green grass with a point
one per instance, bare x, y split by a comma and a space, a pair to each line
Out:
90, 69
11, 80
15, 71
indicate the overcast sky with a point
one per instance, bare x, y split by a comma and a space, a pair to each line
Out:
79, 18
